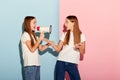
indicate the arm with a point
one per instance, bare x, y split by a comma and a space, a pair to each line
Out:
81, 47
43, 47
57, 47
33, 48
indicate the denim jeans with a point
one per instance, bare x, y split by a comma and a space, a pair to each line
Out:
62, 67
32, 72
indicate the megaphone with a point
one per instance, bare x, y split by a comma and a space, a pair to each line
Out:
45, 29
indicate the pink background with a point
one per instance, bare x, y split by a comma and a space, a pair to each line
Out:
99, 20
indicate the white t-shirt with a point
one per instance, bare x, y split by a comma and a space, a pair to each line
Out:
69, 53
30, 58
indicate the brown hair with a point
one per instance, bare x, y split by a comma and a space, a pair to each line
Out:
27, 28
76, 31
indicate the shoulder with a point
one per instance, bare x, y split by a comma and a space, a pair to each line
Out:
64, 33
83, 37
63, 36
25, 33
25, 36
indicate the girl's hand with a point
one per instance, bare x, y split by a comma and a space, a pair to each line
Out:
77, 46
41, 35
51, 43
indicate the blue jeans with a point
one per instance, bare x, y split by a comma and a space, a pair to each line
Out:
32, 72
62, 67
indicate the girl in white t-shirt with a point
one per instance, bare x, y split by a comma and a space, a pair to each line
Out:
30, 45
71, 45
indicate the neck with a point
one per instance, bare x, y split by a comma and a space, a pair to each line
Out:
71, 30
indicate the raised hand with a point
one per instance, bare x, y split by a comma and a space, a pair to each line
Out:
48, 41
51, 43
77, 46
41, 36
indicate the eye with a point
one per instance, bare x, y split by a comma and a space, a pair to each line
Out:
67, 22
72, 21
34, 22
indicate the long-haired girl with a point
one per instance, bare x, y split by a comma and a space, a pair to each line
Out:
30, 46
71, 45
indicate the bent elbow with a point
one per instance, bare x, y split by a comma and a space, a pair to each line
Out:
58, 50
41, 50
32, 50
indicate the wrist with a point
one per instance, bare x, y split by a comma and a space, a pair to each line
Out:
53, 45
47, 44
39, 39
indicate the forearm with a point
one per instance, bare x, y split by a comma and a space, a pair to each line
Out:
44, 47
36, 45
56, 47
82, 50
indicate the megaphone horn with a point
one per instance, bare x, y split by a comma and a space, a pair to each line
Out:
45, 29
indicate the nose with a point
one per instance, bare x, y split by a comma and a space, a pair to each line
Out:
35, 27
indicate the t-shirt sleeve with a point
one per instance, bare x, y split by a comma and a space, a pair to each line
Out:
25, 37
83, 38
62, 37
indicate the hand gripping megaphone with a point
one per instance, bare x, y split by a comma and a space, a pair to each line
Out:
45, 29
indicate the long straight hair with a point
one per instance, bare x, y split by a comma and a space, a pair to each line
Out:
27, 28
76, 31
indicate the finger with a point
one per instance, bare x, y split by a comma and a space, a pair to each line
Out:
81, 43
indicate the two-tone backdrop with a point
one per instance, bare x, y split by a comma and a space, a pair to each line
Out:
98, 19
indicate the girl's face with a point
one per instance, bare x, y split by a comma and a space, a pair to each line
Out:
68, 24
33, 24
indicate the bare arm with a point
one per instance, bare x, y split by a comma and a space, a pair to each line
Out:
57, 47
81, 47
33, 48
43, 47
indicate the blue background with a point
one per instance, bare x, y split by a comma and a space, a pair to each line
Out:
12, 13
